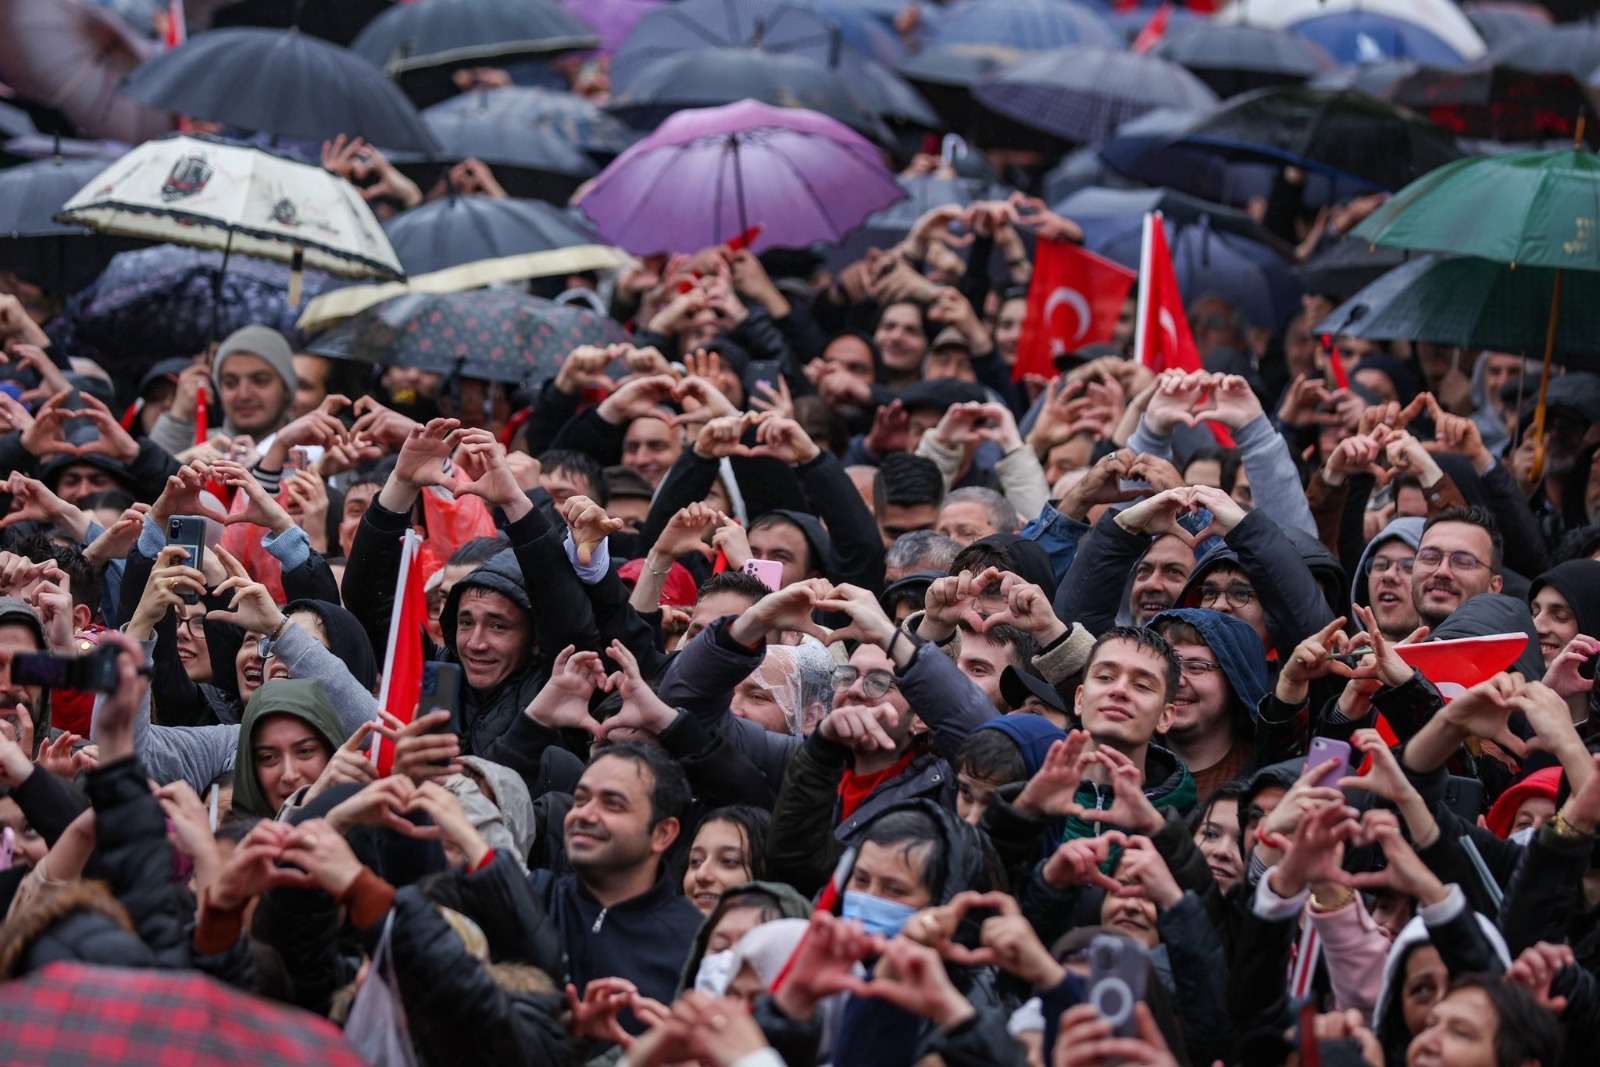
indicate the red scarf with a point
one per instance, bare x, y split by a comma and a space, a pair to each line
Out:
855, 788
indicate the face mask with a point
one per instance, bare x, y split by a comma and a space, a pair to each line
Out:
715, 973
879, 916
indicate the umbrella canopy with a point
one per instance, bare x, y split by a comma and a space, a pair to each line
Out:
15, 122
1571, 49
863, 31
1214, 250
74, 1012
1346, 267
1475, 303
456, 33
717, 76
946, 74
1534, 209
336, 22
33, 245
1374, 79
613, 20
1084, 94
696, 25
1031, 25
72, 56
1441, 17
1342, 134
491, 124
282, 83
707, 176
463, 229
1500, 22
493, 334
1234, 59
211, 194
889, 96
1361, 36
167, 300
1501, 103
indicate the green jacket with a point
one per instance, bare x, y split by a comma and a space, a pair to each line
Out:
304, 698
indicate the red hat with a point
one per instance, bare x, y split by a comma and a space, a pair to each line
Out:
678, 591
1541, 783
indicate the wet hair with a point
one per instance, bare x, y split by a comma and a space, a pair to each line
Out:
115, 499
906, 480
478, 551
1527, 1031
1481, 517
1148, 640
83, 580
755, 825
979, 557
1581, 543
922, 550
905, 831
991, 755
577, 465
737, 582
1000, 512
669, 795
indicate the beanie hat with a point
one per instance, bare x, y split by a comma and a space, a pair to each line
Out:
1545, 782
261, 341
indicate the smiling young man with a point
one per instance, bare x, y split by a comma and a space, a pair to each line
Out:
1458, 558
1223, 678
1383, 577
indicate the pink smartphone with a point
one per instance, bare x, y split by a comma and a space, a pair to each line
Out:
8, 848
769, 572
1322, 750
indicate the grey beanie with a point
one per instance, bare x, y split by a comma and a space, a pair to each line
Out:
15, 611
261, 341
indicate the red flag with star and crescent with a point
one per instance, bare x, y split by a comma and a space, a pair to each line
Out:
1073, 301
1162, 339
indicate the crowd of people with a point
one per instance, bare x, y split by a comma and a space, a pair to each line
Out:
824, 695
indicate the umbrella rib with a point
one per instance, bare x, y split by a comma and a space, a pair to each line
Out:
806, 185
643, 202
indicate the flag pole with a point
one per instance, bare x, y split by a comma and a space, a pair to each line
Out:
408, 546
1140, 340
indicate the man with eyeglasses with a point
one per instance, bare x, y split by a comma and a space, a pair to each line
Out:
1458, 558
1223, 678
1382, 579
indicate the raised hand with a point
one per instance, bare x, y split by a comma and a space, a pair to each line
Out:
423, 755
1102, 484
1078, 863
254, 868
1130, 808
422, 458
912, 977
350, 762
1050, 792
783, 439
451, 825
824, 964
685, 533
563, 701
1405, 872
253, 607
589, 526
867, 620
1316, 851
1143, 866
1014, 946
593, 1016
788, 608
1234, 403
1177, 398
483, 460
724, 435
32, 502
861, 729
1086, 1039
641, 708
260, 508
319, 850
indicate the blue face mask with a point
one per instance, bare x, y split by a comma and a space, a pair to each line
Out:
882, 917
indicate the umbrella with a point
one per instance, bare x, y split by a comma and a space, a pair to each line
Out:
945, 75
1130, 22
1500, 103
530, 159
1214, 249
716, 76
168, 300
1374, 79
470, 124
861, 30
33, 245
696, 25
444, 35
15, 122
888, 95
70, 55
1572, 49
888, 227
492, 334
282, 83
1084, 94
1475, 303
463, 229
337, 22
1234, 59
1031, 25
1501, 23
1344, 268
1441, 17
1341, 134
1362, 36
707, 176
613, 20
210, 194
76, 1012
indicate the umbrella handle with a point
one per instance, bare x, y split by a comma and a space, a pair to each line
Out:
1536, 472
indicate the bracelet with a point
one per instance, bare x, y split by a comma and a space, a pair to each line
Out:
1318, 906
898, 634
656, 573
277, 631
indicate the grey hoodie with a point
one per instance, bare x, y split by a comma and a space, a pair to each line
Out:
1407, 529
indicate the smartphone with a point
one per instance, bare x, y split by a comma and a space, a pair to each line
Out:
761, 370
194, 533
1324, 749
769, 572
298, 459
1117, 970
1464, 796
441, 688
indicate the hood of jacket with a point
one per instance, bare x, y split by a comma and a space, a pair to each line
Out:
1167, 783
1237, 647
1411, 937
1495, 613
487, 715
1330, 577
500, 573
305, 699
1034, 734
1578, 581
818, 543
970, 861
508, 792
1407, 529
787, 899
347, 638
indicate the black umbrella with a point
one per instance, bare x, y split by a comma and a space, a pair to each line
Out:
54, 255
945, 75
1236, 58
889, 96
1341, 270
286, 84
1374, 79
1500, 23
465, 229
1501, 103
694, 25
469, 124
1342, 134
717, 76
421, 44
538, 160
15, 122
1573, 49
1084, 93
333, 20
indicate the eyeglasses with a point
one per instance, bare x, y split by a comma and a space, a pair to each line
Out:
876, 683
1382, 564
1239, 594
195, 624
1431, 558
1200, 666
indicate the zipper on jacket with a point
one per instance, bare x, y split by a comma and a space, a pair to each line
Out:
599, 921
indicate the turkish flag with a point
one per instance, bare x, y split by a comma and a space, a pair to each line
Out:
1073, 301
1153, 30
1163, 341
1456, 666
402, 657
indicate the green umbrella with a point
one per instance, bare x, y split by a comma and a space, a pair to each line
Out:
1474, 303
1534, 209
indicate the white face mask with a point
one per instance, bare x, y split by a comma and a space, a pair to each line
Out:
715, 973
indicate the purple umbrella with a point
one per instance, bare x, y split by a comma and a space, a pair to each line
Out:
612, 19
708, 175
